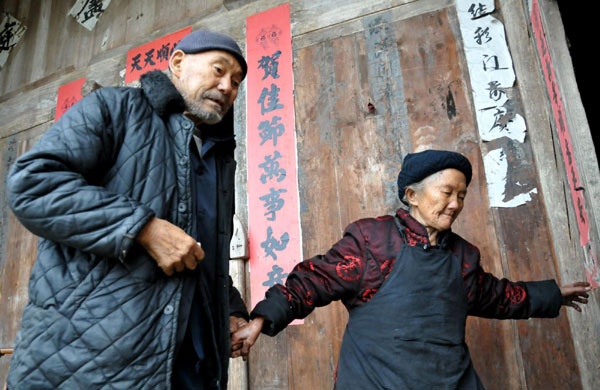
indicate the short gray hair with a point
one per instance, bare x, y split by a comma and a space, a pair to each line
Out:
419, 187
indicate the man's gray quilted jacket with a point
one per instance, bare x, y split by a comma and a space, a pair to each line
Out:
101, 314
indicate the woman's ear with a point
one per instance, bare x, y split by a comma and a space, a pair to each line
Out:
175, 63
411, 197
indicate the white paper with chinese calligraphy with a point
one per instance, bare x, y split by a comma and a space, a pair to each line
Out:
491, 71
11, 32
87, 12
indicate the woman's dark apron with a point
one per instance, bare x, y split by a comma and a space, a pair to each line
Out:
411, 334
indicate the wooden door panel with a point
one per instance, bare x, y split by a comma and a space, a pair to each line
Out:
365, 100
18, 251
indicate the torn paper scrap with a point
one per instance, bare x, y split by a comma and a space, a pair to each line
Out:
11, 32
496, 168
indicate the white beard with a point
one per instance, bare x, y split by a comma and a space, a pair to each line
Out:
194, 107
208, 117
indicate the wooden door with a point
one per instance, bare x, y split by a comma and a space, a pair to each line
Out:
367, 92
18, 248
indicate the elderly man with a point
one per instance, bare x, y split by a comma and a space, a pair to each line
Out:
131, 194
408, 283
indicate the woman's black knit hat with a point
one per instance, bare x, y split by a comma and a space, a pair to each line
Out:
417, 166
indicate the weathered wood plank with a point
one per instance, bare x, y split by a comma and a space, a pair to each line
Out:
42, 32
267, 363
58, 56
139, 16
321, 121
530, 256
126, 22
241, 174
19, 249
24, 69
31, 108
527, 255
354, 24
8, 153
583, 145
321, 13
382, 86
584, 326
440, 114
238, 369
57, 53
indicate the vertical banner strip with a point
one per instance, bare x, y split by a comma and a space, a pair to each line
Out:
563, 129
275, 242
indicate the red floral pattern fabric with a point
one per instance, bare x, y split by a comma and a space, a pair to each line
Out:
355, 267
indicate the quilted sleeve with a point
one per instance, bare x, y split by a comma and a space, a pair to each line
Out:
491, 297
55, 189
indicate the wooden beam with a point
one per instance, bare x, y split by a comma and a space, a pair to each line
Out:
106, 67
550, 165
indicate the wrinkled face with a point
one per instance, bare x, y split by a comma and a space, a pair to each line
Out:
208, 82
439, 203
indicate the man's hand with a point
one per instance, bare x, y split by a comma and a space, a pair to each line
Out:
245, 337
576, 292
235, 323
171, 247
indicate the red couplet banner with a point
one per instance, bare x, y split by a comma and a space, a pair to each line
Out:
592, 266
275, 242
563, 129
68, 95
152, 55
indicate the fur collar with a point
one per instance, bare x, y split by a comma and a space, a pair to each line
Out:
161, 93
165, 99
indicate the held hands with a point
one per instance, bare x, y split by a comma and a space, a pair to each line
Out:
235, 323
171, 247
245, 337
576, 292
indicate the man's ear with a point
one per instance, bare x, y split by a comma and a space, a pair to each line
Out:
175, 63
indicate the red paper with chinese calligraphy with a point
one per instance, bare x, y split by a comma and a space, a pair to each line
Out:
68, 95
275, 242
152, 55
564, 135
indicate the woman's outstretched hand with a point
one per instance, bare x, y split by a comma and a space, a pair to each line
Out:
575, 293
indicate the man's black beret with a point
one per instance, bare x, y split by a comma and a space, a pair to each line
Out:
203, 40
417, 166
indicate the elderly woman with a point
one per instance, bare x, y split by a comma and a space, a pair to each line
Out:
408, 283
